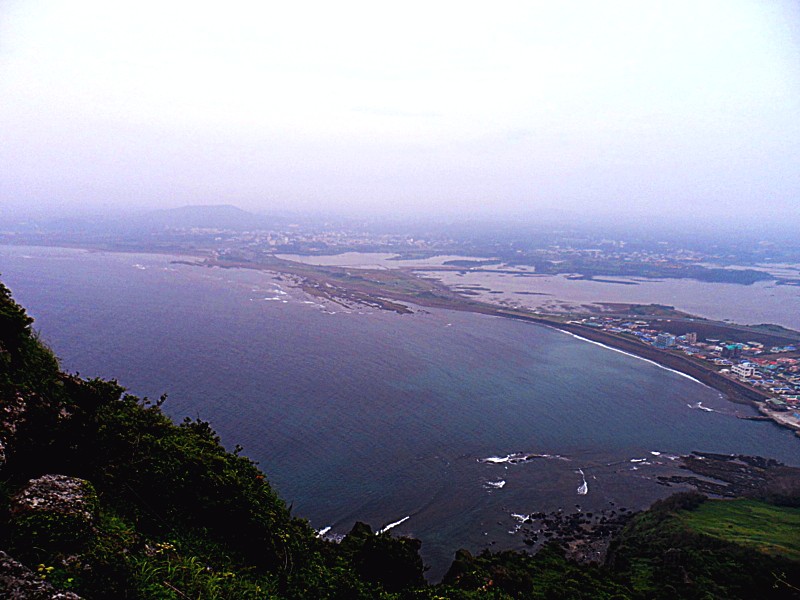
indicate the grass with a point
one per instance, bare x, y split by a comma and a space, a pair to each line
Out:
771, 529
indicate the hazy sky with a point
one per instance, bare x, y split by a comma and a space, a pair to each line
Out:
689, 108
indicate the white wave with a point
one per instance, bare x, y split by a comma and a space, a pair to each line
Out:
275, 298
655, 453
518, 517
583, 488
140, 267
391, 525
519, 457
323, 531
638, 460
497, 485
652, 362
701, 407
495, 460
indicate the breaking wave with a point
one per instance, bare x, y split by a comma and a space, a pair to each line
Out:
518, 457
495, 485
391, 525
701, 407
583, 488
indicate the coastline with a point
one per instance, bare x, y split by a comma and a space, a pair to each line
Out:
438, 295
385, 293
647, 360
733, 390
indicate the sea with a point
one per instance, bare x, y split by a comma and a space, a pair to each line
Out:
414, 423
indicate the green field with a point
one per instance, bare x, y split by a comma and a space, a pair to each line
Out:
768, 528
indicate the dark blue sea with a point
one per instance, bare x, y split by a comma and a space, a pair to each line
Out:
358, 414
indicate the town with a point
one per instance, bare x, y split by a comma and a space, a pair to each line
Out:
579, 250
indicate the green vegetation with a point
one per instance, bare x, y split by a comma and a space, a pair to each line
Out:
770, 529
513, 575
103, 495
662, 556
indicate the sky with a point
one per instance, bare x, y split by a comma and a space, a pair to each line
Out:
614, 108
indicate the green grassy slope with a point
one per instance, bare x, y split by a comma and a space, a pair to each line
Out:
770, 529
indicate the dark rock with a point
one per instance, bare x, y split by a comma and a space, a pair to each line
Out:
18, 582
54, 512
12, 415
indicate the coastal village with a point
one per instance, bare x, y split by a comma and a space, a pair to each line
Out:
772, 370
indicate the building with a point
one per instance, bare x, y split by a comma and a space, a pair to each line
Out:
664, 340
732, 350
691, 337
744, 370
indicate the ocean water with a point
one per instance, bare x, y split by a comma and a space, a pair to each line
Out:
386, 418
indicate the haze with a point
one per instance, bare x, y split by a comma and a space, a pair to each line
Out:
518, 108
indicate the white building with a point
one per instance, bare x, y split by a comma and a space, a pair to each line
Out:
744, 370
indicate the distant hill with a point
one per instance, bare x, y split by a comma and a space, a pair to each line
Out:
219, 216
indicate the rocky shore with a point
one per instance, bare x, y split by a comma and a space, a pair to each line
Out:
733, 476
583, 536
586, 536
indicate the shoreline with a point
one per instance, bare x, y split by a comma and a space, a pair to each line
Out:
445, 298
734, 391
647, 360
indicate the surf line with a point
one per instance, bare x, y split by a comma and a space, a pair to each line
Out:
323, 531
391, 525
647, 360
